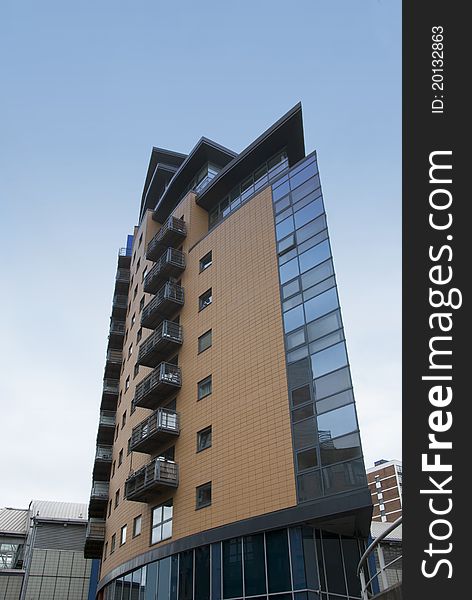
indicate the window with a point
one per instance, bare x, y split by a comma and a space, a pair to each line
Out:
119, 398
123, 420
113, 470
129, 447
117, 431
140, 240
123, 535
127, 383
203, 495
161, 522
120, 458
137, 523
205, 299
109, 506
139, 335
136, 370
117, 498
204, 439
105, 551
204, 341
205, 262
144, 273
113, 543
141, 304
204, 387
138, 264
135, 293
133, 319
130, 350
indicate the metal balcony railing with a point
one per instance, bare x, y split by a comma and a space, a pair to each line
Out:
111, 386
110, 392
123, 275
170, 235
168, 300
379, 581
165, 339
115, 356
170, 264
95, 530
104, 453
102, 464
117, 327
158, 385
156, 476
100, 490
159, 427
120, 301
107, 418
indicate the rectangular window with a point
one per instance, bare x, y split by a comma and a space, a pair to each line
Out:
105, 551
120, 458
205, 262
139, 335
130, 350
113, 470
123, 420
109, 506
204, 341
205, 299
137, 523
141, 304
136, 370
204, 439
133, 319
161, 522
123, 535
113, 543
129, 447
140, 240
204, 387
117, 498
203, 496
135, 293
144, 274
127, 383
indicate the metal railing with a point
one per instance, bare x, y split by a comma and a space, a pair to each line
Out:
124, 252
111, 386
107, 417
168, 292
120, 301
171, 258
172, 225
104, 453
100, 490
380, 576
123, 275
162, 419
117, 327
114, 356
164, 373
167, 331
158, 471
95, 529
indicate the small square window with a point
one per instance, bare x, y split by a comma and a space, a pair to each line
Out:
204, 387
120, 458
204, 341
204, 439
137, 524
203, 497
378, 485
123, 535
206, 261
205, 299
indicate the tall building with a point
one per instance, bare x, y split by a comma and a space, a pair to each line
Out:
229, 462
42, 553
385, 484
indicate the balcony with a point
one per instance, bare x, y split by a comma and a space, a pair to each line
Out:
124, 258
119, 306
170, 264
113, 363
111, 387
116, 334
94, 538
170, 235
158, 428
122, 281
106, 427
165, 380
167, 338
102, 464
168, 300
98, 499
157, 476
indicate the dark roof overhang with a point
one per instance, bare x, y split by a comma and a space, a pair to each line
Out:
204, 152
286, 133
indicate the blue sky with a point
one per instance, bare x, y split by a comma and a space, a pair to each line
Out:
87, 89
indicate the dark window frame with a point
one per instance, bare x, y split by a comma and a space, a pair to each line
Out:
204, 487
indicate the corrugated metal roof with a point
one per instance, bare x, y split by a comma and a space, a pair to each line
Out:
378, 527
14, 520
47, 509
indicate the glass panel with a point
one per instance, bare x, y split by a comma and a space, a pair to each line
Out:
309, 486
309, 212
344, 476
215, 571
290, 288
166, 530
333, 563
293, 318
351, 554
299, 373
311, 229
289, 270
338, 422
280, 191
295, 301
286, 256
328, 360
317, 274
307, 199
314, 256
301, 395
304, 434
232, 569
296, 555
163, 590
202, 573
186, 575
319, 288
316, 239
321, 304
284, 228
310, 558
283, 203
307, 459
335, 401
286, 244
254, 567
278, 565
136, 585
304, 164
323, 326
295, 339
326, 341
304, 189
332, 383
283, 215
302, 413
297, 354
301, 176
319, 555
340, 449
174, 576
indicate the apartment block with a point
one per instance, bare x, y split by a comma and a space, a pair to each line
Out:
229, 461
385, 485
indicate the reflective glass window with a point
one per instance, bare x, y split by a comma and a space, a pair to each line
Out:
307, 459
295, 339
302, 413
324, 325
286, 244
319, 288
290, 288
317, 274
294, 301
202, 573
333, 563
305, 188
299, 373
301, 395
309, 486
301, 176
304, 434
327, 340
314, 256
254, 565
344, 476
186, 575
163, 590
328, 360
311, 229
278, 562
215, 571
296, 554
309, 213
284, 228
280, 191
293, 318
314, 241
283, 215
282, 204
232, 569
286, 256
339, 421
161, 522
332, 383
335, 401
321, 304
310, 560
297, 354
340, 449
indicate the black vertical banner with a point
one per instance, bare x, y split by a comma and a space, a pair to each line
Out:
436, 323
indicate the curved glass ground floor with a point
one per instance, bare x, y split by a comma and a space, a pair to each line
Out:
298, 563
